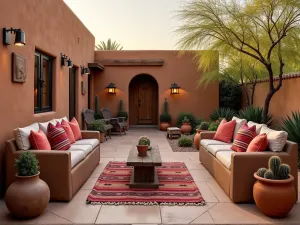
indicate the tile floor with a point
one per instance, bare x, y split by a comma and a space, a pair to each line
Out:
218, 210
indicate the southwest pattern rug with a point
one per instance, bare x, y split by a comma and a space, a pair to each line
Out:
176, 187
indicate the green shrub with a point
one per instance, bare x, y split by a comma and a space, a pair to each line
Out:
222, 113
199, 121
213, 126
203, 126
27, 164
230, 95
292, 126
191, 118
165, 118
99, 125
121, 112
255, 114
185, 142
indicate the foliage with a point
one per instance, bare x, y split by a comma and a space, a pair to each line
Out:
226, 113
265, 34
166, 106
121, 112
255, 114
109, 45
230, 95
185, 120
276, 171
213, 126
204, 126
199, 121
292, 126
98, 115
185, 142
27, 164
165, 116
144, 140
99, 125
191, 118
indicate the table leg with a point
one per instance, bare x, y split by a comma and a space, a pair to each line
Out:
144, 177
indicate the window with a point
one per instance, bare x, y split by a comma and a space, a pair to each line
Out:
42, 83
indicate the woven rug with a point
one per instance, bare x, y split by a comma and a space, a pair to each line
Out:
176, 187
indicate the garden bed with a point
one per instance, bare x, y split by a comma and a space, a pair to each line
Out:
175, 148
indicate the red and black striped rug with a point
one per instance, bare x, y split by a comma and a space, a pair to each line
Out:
176, 187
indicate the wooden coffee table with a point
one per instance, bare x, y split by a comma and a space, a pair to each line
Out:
144, 174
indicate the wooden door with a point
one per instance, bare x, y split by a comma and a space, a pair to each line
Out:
145, 104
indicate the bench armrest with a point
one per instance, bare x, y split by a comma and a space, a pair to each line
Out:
90, 134
207, 135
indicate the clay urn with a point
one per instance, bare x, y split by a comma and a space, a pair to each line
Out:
142, 150
102, 138
186, 128
27, 197
275, 198
164, 126
197, 138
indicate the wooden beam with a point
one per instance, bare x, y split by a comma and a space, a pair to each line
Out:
131, 62
96, 66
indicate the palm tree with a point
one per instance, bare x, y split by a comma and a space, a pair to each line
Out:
109, 45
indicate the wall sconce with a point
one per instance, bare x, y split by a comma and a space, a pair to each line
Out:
84, 70
63, 61
111, 88
175, 88
19, 36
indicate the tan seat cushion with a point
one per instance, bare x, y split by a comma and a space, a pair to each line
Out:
213, 149
206, 142
76, 157
92, 142
225, 158
87, 149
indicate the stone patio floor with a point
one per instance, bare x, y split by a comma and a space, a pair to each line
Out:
219, 209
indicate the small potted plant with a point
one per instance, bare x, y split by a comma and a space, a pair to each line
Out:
99, 125
28, 196
274, 192
203, 126
165, 117
143, 146
147, 140
186, 127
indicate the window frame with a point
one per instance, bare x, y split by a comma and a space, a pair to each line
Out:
40, 76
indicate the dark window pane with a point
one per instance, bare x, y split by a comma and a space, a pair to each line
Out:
46, 84
36, 74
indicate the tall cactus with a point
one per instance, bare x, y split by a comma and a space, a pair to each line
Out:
166, 106
276, 171
274, 163
284, 171
121, 106
97, 105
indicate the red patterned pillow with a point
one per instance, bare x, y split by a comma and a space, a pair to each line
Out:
57, 137
243, 138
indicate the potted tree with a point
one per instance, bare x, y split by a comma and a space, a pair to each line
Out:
203, 126
143, 146
186, 127
28, 196
273, 192
122, 113
99, 125
165, 118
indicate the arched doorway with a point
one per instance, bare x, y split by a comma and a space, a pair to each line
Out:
143, 100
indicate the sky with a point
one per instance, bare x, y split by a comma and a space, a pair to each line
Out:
135, 24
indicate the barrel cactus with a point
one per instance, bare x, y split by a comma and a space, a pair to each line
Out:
276, 170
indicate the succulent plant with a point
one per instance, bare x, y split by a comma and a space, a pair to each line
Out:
144, 140
185, 120
276, 171
204, 126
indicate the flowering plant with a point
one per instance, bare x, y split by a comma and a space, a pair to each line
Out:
144, 140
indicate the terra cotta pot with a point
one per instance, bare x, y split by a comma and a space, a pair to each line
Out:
142, 149
186, 128
275, 198
164, 126
102, 138
197, 138
27, 197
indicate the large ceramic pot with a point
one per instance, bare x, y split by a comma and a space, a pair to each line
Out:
186, 128
102, 138
275, 198
164, 126
197, 138
142, 150
27, 197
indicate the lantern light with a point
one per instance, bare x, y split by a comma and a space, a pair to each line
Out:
111, 88
174, 88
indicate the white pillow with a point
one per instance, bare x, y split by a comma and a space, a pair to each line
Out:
238, 125
276, 139
22, 136
60, 119
44, 126
257, 125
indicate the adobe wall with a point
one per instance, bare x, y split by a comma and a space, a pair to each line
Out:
183, 71
51, 27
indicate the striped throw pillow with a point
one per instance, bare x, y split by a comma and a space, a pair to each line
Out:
243, 138
57, 137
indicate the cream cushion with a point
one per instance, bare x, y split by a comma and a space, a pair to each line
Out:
76, 157
44, 126
258, 126
238, 125
225, 158
276, 139
214, 149
60, 119
85, 148
92, 142
22, 136
206, 142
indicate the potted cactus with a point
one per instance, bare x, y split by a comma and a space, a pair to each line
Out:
202, 127
186, 127
274, 192
165, 117
143, 146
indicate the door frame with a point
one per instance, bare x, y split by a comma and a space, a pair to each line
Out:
73, 70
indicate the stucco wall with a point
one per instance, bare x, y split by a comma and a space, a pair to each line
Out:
50, 27
284, 102
183, 71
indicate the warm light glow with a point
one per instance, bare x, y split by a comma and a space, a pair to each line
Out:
19, 44
175, 90
111, 90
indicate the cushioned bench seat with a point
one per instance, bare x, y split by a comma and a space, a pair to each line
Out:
92, 142
214, 149
206, 142
225, 158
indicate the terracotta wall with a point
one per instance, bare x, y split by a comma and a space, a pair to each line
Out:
183, 71
284, 102
51, 27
